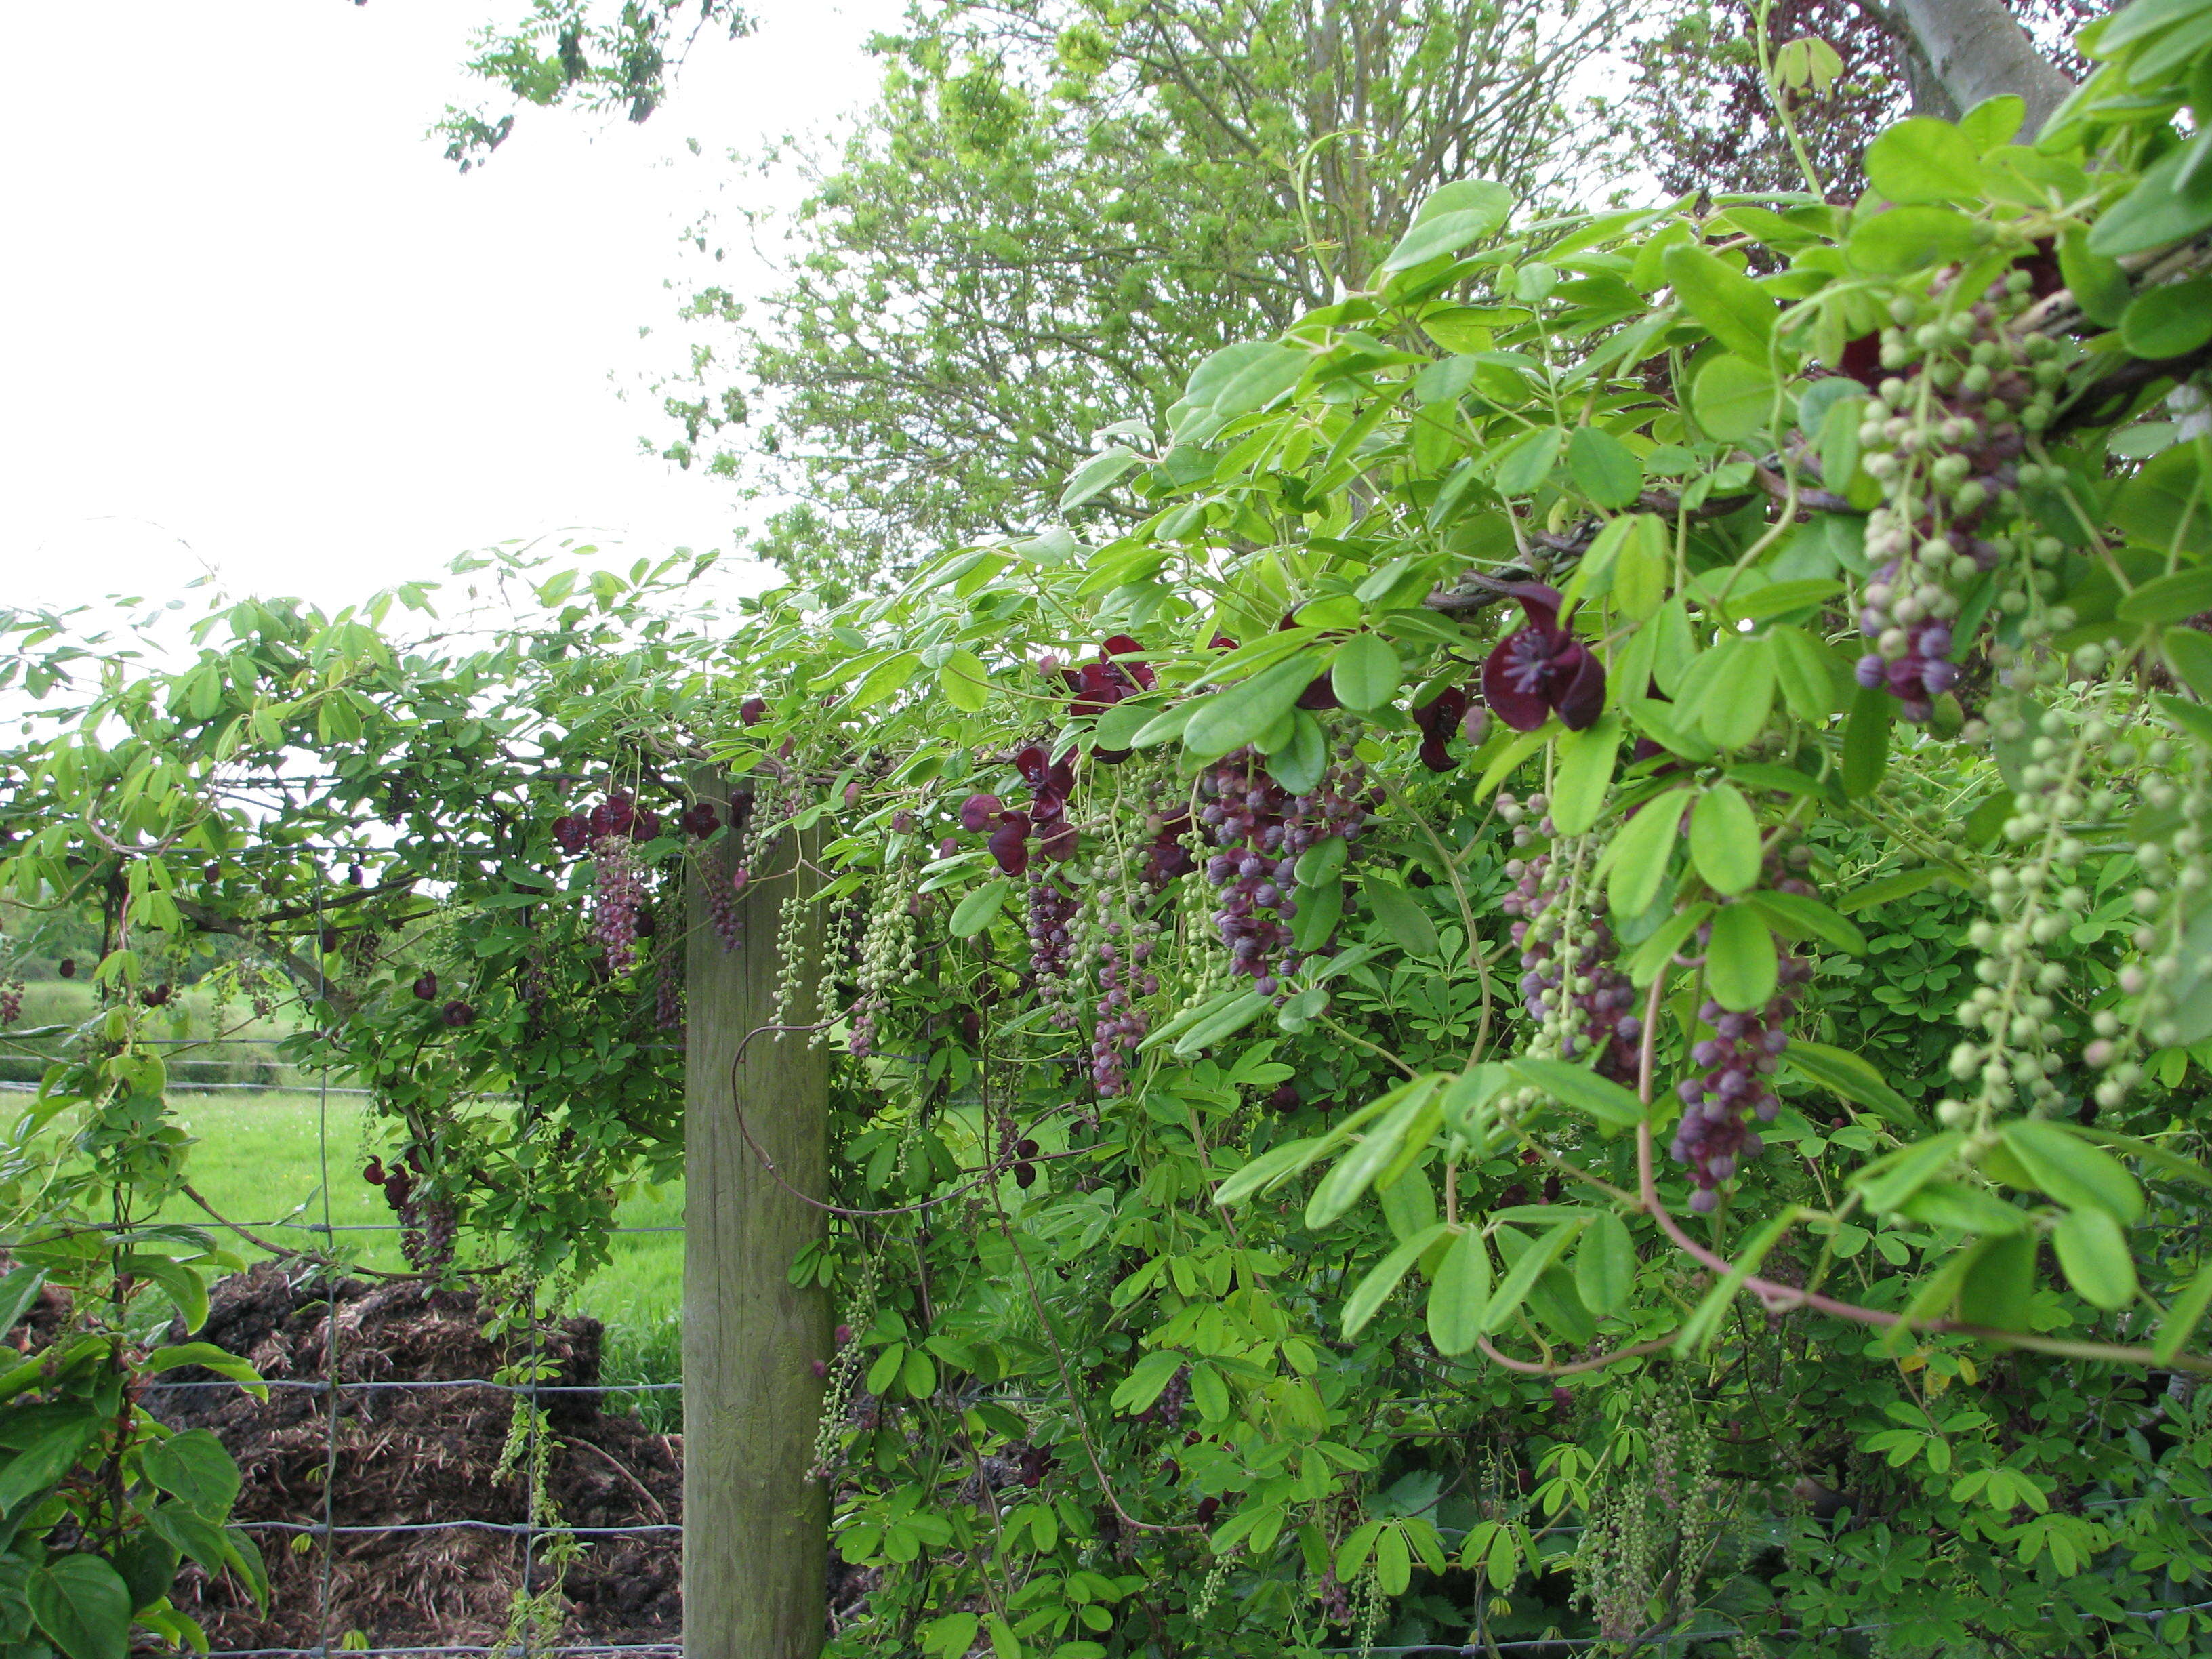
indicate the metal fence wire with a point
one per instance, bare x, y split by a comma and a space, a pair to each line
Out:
532, 1532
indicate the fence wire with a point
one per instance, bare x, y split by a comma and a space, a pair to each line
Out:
532, 1533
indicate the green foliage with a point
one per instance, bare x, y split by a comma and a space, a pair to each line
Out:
1364, 1115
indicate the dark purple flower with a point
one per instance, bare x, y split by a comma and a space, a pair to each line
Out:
979, 809
1540, 669
1009, 842
1438, 719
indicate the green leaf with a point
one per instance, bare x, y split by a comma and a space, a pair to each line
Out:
1802, 670
191, 1535
1460, 1295
83, 1606
49, 1458
1526, 461
980, 908
1969, 1209
1340, 1189
1224, 1022
1231, 719
1998, 1289
1641, 566
2099, 285
2170, 598
1137, 1391
1637, 855
2076, 1174
1866, 740
1734, 706
193, 1468
1734, 309
1733, 398
1117, 728
1444, 233
147, 1564
1373, 1291
1850, 1077
2169, 320
1485, 197
1886, 889
1603, 468
1582, 1089
1366, 673
1740, 960
1724, 840
950, 1637
1605, 1265
1653, 956
1583, 774
1521, 1274
2182, 1317
2189, 653
2093, 1252
1889, 1181
2172, 202
1911, 238
2164, 505
1276, 1164
967, 685
1258, 380
1925, 159
1402, 917
1807, 918
18, 1290
1166, 726
1299, 764
1393, 1567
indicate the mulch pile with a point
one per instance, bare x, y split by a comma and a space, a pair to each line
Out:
407, 1457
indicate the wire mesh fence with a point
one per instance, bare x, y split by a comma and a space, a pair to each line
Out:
320, 1528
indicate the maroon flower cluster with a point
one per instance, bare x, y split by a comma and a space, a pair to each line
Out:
617, 815
1099, 685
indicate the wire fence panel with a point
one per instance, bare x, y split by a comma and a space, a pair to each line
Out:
348, 1523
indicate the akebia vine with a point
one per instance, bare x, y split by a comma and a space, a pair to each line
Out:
1366, 1109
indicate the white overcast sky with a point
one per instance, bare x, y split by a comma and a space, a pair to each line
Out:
253, 321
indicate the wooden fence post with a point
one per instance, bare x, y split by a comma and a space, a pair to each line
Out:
756, 1525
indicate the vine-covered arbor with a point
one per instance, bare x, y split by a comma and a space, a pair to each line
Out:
1316, 1057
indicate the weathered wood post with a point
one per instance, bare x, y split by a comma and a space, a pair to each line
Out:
756, 1527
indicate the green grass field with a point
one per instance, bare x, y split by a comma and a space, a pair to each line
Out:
259, 1163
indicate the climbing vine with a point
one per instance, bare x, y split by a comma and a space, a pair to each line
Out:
1568, 998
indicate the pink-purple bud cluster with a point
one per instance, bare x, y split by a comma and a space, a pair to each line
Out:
1736, 1066
620, 882
1262, 829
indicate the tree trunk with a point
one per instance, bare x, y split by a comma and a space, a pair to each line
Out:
756, 1524
1977, 49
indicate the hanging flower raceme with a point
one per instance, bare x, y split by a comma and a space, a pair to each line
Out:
1540, 669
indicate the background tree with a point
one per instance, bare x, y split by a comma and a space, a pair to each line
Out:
1052, 214
585, 54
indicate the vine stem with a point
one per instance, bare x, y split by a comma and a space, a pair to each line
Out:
1778, 1298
